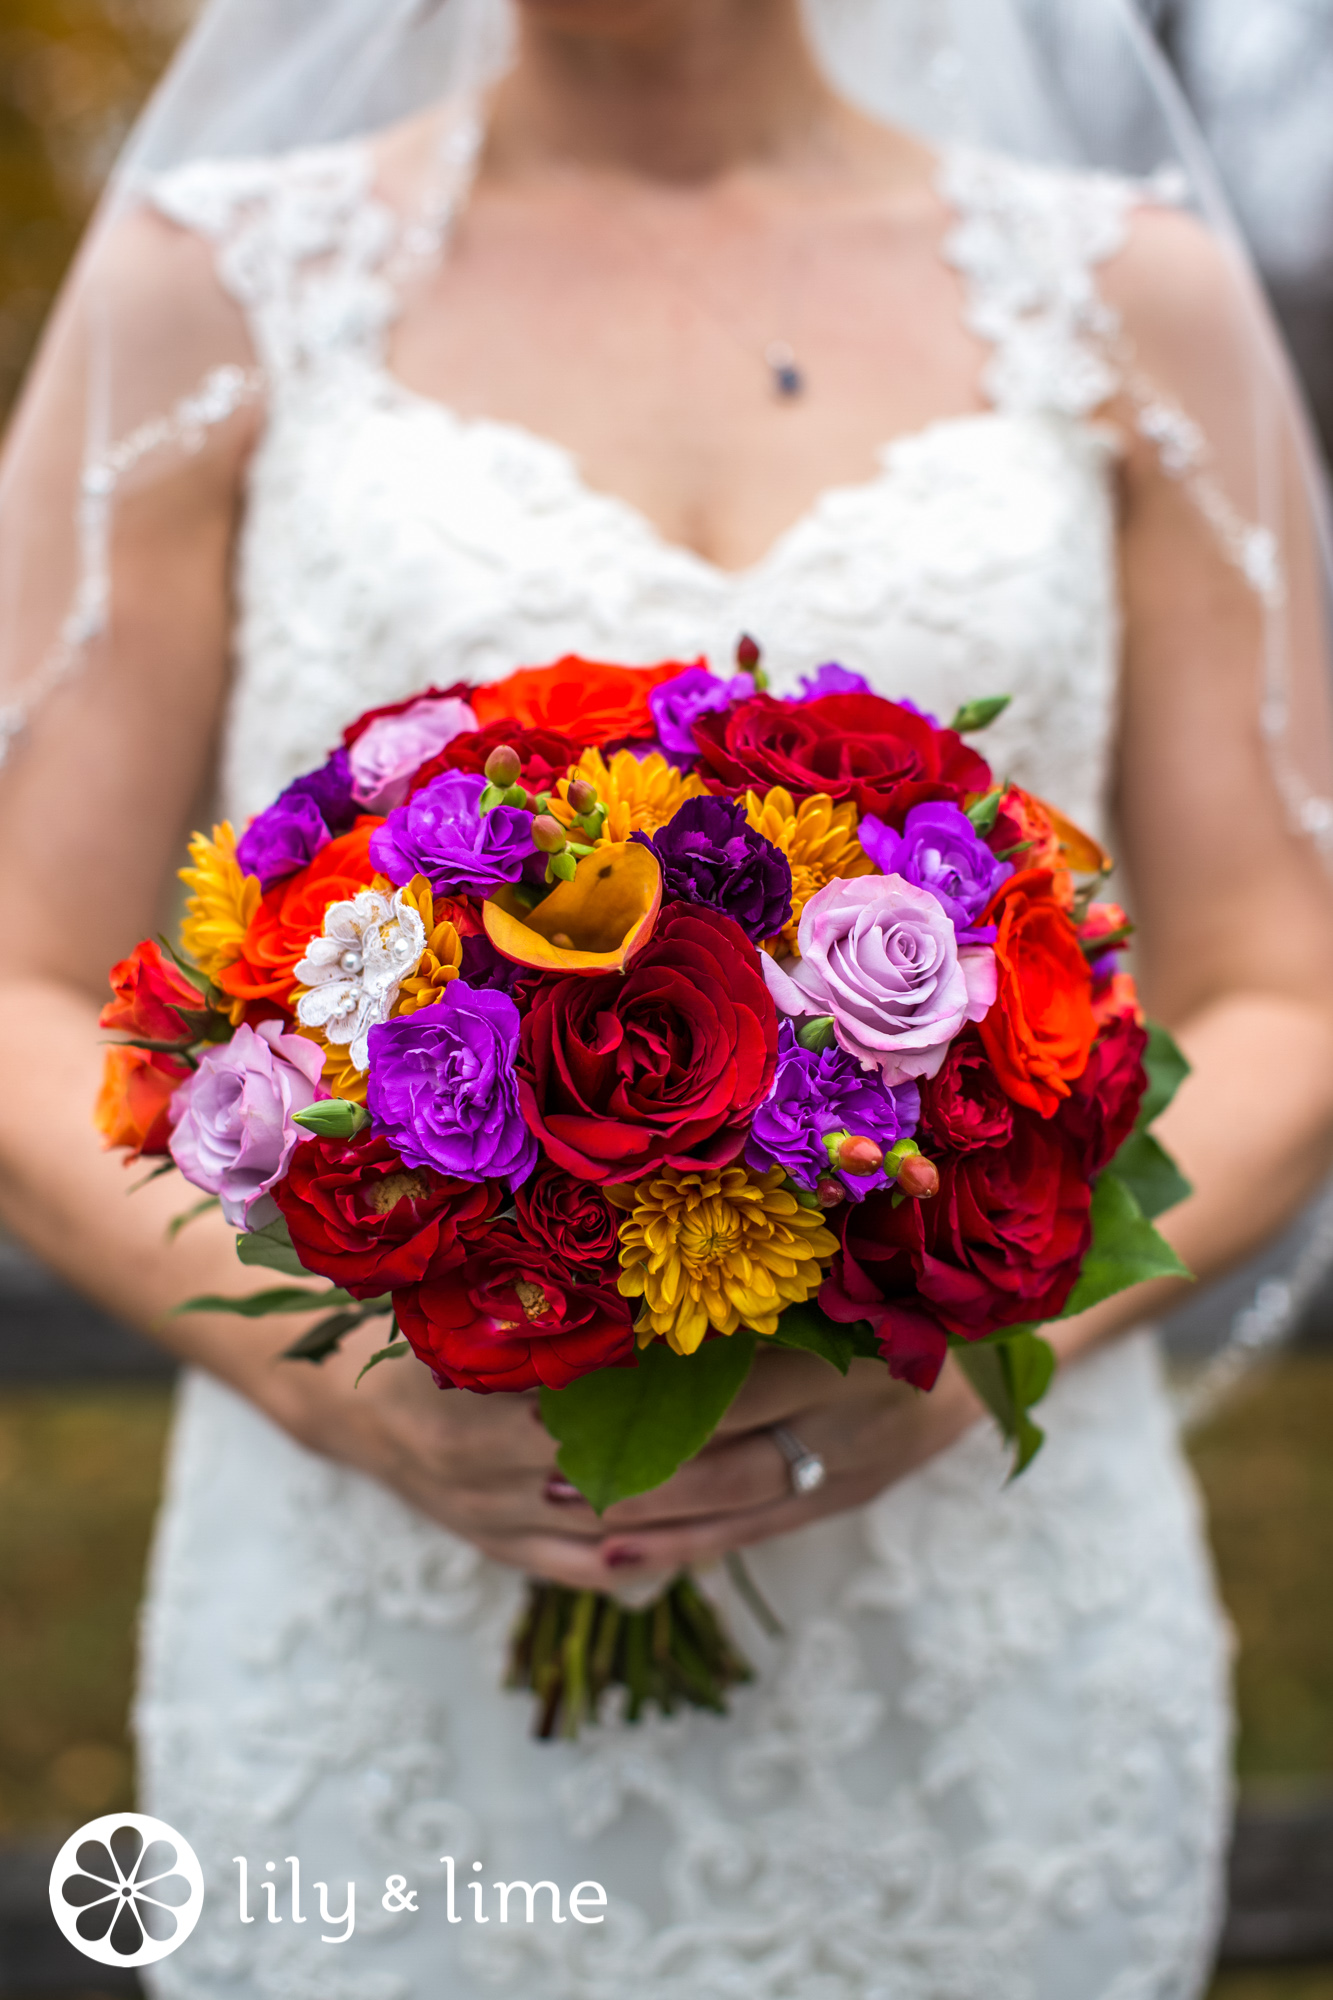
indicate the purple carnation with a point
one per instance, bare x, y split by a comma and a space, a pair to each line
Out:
939, 849
288, 835
711, 855
828, 1092
443, 834
677, 704
833, 679
483, 967
443, 1091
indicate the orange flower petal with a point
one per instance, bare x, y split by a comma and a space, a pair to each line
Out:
596, 923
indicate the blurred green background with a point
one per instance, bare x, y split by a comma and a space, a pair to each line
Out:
80, 1465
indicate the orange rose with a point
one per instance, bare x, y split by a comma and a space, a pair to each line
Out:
1040, 1032
293, 912
591, 701
136, 1093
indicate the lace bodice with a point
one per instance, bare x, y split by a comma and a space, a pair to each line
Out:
390, 542
987, 1760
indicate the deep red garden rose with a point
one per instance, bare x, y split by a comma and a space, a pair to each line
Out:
1000, 1245
546, 754
662, 1065
568, 1216
359, 1216
591, 700
148, 990
459, 691
963, 1106
515, 1317
852, 746
1039, 1033
1099, 1114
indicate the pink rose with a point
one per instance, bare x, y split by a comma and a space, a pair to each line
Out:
882, 957
394, 747
233, 1133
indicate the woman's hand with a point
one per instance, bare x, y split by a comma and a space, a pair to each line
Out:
484, 1466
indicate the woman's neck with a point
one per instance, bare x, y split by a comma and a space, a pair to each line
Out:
674, 90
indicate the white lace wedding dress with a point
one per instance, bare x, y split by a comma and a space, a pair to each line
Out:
988, 1761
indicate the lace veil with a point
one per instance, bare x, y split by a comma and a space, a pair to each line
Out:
147, 359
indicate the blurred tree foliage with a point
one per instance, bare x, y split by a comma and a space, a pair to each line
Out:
72, 75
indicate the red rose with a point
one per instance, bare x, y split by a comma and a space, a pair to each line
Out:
1001, 1244
852, 746
571, 1217
1039, 1033
460, 691
148, 991
359, 1216
1100, 1112
662, 1065
963, 1106
545, 754
514, 1317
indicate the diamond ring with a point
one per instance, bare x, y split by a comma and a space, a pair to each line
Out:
805, 1468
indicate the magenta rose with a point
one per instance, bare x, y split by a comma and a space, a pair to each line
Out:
388, 753
233, 1133
883, 959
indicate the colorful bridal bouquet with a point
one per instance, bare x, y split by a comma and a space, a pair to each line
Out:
602, 1025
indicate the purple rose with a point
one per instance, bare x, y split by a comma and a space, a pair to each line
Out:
442, 833
302, 820
939, 849
828, 1092
234, 1134
443, 1091
833, 679
711, 855
677, 703
882, 958
394, 747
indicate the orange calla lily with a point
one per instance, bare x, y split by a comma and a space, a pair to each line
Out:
595, 923
1078, 850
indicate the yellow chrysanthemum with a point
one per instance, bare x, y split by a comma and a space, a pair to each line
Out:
439, 963
818, 839
640, 795
220, 909
718, 1250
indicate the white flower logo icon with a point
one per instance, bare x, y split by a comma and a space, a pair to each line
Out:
126, 1889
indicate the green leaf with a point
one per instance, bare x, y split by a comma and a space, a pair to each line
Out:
1150, 1174
984, 812
625, 1430
168, 1166
179, 1222
1126, 1249
1167, 1069
813, 1332
323, 1340
1011, 1376
272, 1248
393, 1352
974, 715
258, 1305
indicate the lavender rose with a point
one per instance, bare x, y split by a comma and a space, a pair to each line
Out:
939, 849
442, 1087
234, 1135
387, 754
882, 958
442, 833
712, 856
300, 822
677, 704
828, 1092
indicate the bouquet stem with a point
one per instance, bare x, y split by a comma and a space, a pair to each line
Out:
570, 1646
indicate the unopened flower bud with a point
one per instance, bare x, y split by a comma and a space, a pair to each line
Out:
817, 1035
828, 1192
581, 796
504, 766
562, 868
919, 1178
860, 1157
332, 1118
747, 653
548, 836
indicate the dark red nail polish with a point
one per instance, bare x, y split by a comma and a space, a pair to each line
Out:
622, 1558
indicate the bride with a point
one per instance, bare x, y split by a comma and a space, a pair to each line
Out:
665, 321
